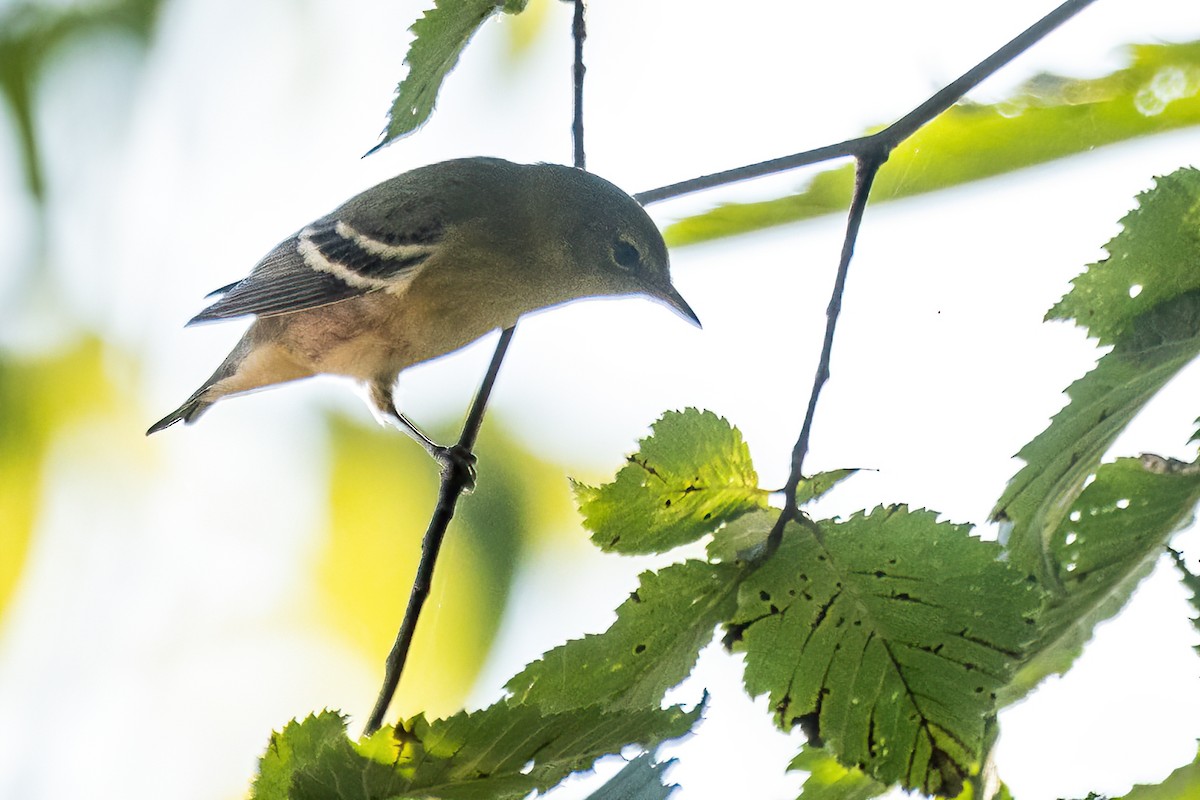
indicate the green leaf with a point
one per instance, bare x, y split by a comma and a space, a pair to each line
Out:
439, 38
1050, 117
319, 740
1108, 541
813, 487
640, 779
1060, 459
829, 780
886, 638
1151, 343
691, 474
1182, 784
650, 648
1155, 258
503, 751
1191, 582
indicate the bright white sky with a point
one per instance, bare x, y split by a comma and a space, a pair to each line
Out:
250, 120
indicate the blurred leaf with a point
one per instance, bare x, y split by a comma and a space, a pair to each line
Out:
1108, 541
525, 29
1182, 784
1048, 118
885, 638
382, 491
503, 751
640, 779
1155, 258
690, 475
439, 38
829, 780
31, 31
40, 396
1148, 350
650, 648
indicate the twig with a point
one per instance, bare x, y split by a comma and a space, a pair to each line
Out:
864, 177
456, 480
849, 147
895, 133
579, 33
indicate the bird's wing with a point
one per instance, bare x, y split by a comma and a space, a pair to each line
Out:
328, 261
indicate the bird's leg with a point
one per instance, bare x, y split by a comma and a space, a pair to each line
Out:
454, 458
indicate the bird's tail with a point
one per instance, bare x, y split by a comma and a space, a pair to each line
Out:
254, 363
216, 387
193, 407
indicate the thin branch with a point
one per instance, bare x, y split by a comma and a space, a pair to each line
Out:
470, 432
455, 481
895, 133
850, 147
458, 477
579, 33
864, 178
867, 168
904, 127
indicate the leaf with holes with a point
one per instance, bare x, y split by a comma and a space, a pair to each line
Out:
1109, 540
1059, 460
690, 475
439, 38
887, 639
1154, 336
1155, 258
651, 647
504, 751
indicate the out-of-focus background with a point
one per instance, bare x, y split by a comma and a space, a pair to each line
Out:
166, 602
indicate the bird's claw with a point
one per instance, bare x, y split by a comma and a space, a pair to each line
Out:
457, 461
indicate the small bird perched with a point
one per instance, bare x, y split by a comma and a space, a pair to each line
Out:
424, 264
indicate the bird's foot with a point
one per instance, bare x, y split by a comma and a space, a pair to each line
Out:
456, 462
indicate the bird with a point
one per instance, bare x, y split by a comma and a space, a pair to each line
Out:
423, 264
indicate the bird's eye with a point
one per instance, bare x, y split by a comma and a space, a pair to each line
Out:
626, 255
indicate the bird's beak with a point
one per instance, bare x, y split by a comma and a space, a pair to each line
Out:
676, 303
